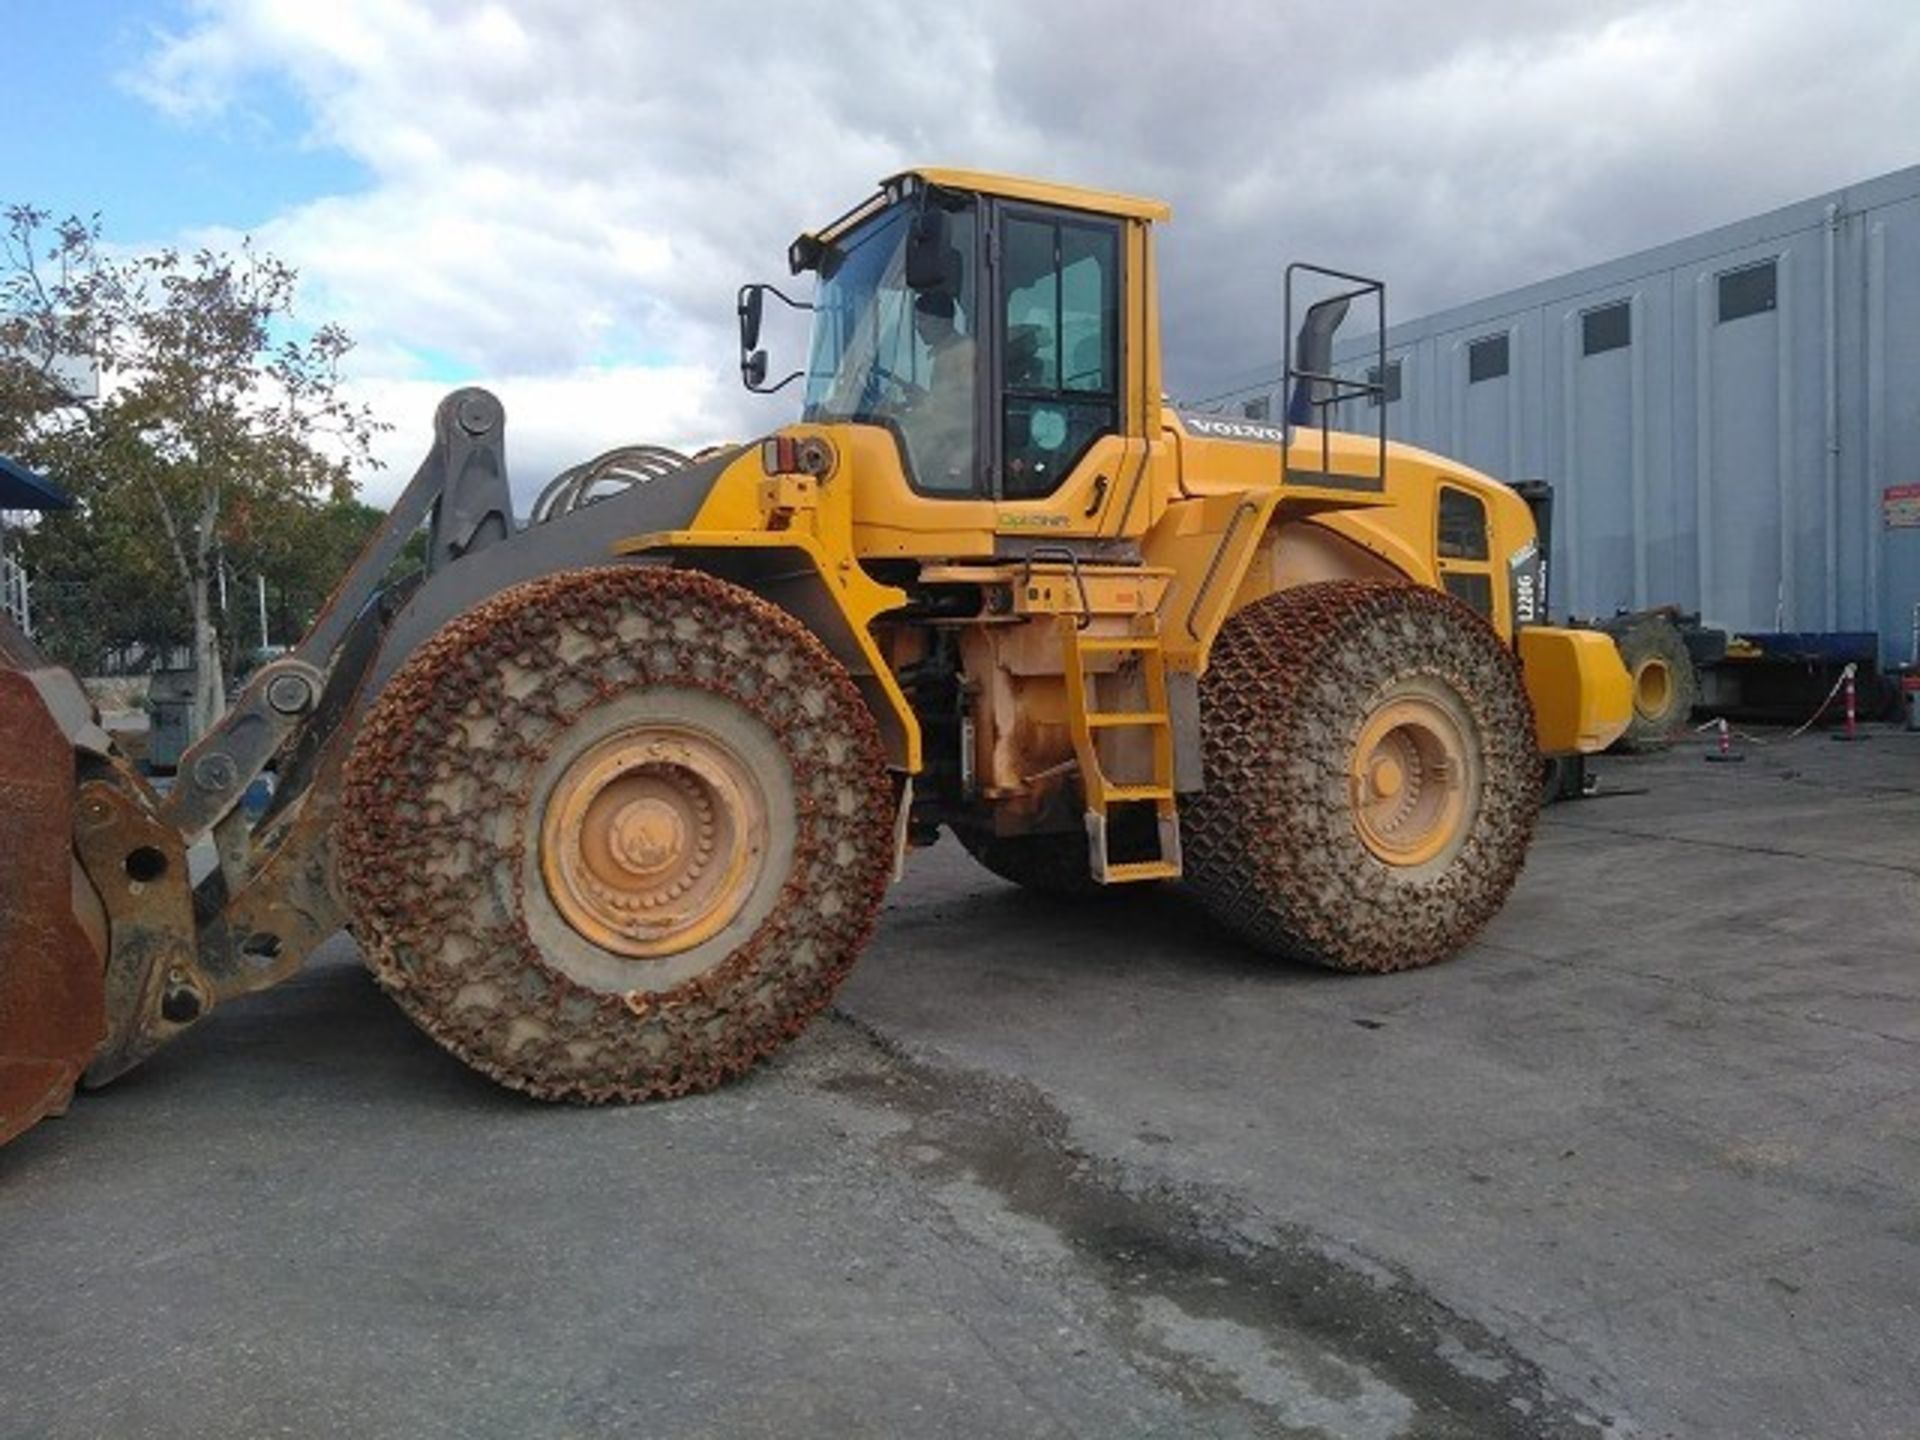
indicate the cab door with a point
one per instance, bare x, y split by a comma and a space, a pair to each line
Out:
1059, 455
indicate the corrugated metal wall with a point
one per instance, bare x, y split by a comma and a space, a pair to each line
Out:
1729, 450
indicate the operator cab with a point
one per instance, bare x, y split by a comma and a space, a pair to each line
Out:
983, 322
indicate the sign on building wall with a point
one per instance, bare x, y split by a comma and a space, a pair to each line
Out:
1900, 507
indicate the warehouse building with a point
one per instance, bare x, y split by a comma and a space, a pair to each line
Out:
1731, 421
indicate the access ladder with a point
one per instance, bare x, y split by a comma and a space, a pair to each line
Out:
1142, 644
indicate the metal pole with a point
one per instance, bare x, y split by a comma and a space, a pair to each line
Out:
1830, 388
262, 592
1723, 752
13, 585
1852, 730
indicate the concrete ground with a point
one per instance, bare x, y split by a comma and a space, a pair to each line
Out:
1642, 1162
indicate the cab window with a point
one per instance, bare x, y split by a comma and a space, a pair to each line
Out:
886, 354
1466, 570
1060, 347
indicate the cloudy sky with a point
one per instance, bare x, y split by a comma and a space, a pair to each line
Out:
557, 198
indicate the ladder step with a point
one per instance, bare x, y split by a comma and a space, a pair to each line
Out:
1122, 793
1098, 718
1110, 644
1142, 870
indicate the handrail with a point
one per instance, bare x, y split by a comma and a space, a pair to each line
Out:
1061, 552
1245, 507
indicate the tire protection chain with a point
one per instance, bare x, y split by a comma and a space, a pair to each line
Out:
433, 886
1269, 844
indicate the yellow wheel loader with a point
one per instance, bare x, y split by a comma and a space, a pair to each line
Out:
609, 795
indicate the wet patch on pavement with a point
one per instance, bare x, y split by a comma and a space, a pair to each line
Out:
1258, 1328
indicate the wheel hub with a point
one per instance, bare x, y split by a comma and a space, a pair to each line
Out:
652, 840
1387, 778
648, 835
1652, 688
1407, 780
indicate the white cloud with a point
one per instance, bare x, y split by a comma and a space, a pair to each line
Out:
556, 419
568, 192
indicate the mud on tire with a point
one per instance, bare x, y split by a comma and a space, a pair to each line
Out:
441, 845
1274, 848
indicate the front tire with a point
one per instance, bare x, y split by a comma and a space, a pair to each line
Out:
616, 833
1372, 780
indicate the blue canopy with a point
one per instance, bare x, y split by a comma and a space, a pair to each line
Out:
21, 489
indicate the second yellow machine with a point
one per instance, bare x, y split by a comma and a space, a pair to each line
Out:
610, 795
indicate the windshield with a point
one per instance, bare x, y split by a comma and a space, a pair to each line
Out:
887, 355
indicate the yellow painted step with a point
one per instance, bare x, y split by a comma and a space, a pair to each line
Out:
1120, 794
1099, 718
1142, 870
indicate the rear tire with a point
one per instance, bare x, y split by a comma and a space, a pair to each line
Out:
1052, 864
616, 833
1665, 685
1055, 863
1372, 780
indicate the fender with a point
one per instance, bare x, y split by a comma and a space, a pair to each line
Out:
837, 602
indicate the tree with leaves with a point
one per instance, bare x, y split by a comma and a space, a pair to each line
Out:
301, 549
215, 406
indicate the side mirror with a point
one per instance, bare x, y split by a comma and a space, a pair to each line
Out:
931, 259
749, 309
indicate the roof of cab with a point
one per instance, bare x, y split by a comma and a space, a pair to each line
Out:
1015, 187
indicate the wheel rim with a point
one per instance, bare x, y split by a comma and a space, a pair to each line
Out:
652, 840
1652, 688
1409, 781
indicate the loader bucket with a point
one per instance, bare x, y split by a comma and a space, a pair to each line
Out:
52, 934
